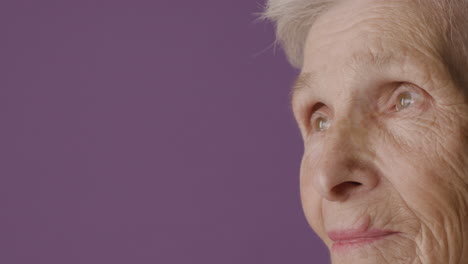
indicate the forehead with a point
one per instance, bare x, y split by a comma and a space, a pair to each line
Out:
370, 26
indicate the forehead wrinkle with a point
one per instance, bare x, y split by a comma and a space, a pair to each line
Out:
423, 41
308, 80
368, 58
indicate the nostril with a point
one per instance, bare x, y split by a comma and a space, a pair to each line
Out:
345, 187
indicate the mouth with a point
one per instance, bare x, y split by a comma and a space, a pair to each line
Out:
352, 238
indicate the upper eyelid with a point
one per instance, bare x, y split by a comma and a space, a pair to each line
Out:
406, 88
317, 110
316, 107
386, 94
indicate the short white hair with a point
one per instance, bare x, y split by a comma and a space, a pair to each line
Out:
294, 18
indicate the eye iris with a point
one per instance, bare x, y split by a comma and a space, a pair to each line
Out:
405, 100
322, 123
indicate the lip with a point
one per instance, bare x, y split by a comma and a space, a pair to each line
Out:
355, 238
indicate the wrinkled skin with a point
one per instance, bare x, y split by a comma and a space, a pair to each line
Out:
404, 171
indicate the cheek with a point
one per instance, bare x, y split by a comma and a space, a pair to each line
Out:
423, 188
311, 201
432, 200
425, 162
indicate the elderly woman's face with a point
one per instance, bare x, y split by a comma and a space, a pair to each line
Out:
384, 176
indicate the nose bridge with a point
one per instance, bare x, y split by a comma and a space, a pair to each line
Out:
342, 166
348, 132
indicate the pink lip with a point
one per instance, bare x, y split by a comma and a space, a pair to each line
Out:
352, 238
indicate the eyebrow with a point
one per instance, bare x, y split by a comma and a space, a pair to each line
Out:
308, 80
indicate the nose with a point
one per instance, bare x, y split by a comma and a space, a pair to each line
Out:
344, 166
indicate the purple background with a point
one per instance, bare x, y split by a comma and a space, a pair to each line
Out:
147, 131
